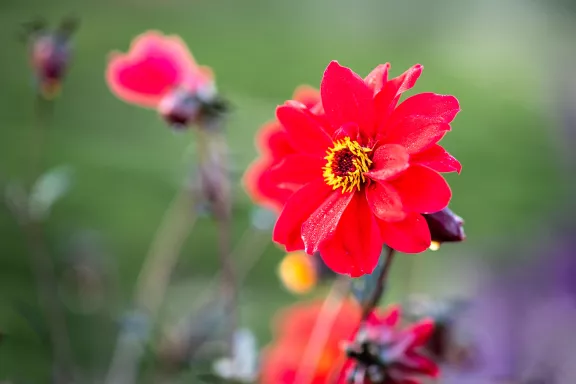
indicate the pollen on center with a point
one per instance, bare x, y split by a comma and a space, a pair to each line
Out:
346, 163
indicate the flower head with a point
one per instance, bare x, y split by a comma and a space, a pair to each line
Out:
384, 354
160, 72
283, 359
360, 169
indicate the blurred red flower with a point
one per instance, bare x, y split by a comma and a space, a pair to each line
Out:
160, 72
384, 354
360, 170
284, 358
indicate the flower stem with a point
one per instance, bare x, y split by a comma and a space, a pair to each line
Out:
152, 284
41, 260
373, 301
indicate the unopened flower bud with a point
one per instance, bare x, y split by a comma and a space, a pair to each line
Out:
445, 226
50, 59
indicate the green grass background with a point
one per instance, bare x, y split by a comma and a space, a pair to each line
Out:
496, 57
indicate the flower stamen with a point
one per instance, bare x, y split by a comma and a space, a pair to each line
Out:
346, 163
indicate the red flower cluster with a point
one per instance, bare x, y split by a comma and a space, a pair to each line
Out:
356, 170
160, 72
283, 360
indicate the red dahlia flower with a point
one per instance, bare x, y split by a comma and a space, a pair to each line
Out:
160, 72
361, 170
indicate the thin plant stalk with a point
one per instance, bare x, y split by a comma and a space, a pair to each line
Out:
41, 260
374, 299
152, 284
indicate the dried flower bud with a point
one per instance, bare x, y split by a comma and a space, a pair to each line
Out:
179, 108
51, 55
445, 226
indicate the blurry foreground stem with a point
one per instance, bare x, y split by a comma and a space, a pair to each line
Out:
151, 286
217, 187
40, 259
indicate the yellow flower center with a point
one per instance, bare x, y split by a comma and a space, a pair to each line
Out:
346, 163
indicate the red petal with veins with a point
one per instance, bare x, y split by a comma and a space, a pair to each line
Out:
422, 190
437, 159
417, 134
304, 132
355, 247
296, 211
323, 222
347, 99
384, 201
389, 160
410, 235
421, 109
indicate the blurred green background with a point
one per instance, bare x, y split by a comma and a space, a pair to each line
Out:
502, 59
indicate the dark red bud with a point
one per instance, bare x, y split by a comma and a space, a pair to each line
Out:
445, 226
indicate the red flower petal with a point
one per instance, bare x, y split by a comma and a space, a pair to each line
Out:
271, 140
410, 235
304, 132
384, 201
422, 331
438, 159
418, 112
389, 160
376, 80
323, 222
261, 190
391, 317
297, 169
417, 134
153, 65
355, 247
416, 363
422, 190
297, 210
347, 99
386, 100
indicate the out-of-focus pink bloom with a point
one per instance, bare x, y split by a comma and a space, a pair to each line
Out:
159, 72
